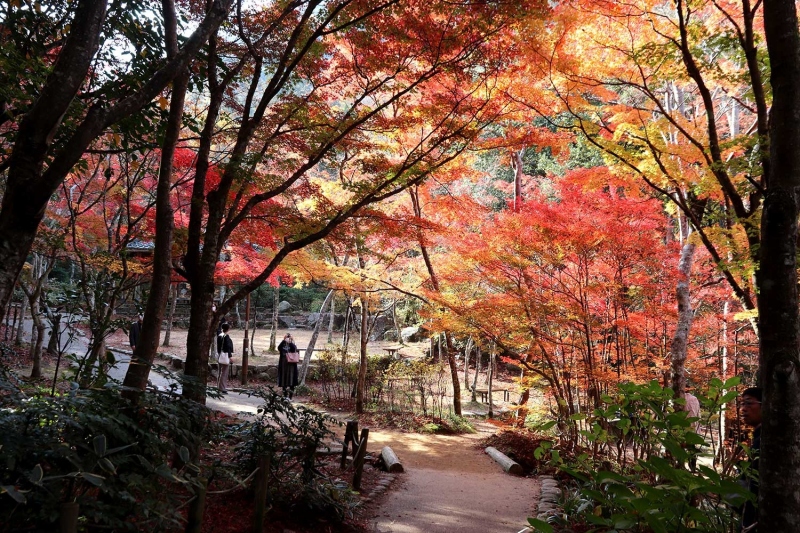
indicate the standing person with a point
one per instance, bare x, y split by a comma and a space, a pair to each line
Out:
135, 333
287, 371
224, 357
751, 414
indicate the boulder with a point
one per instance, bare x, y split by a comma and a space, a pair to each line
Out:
338, 320
284, 306
382, 323
411, 334
286, 322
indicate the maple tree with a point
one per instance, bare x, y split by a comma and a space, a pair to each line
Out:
81, 78
106, 209
579, 297
674, 97
374, 119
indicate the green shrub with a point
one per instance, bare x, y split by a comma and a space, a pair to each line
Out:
93, 448
659, 489
289, 435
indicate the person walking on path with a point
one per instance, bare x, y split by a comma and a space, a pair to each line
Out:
224, 357
287, 371
135, 333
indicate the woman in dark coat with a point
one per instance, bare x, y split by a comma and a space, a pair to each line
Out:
287, 372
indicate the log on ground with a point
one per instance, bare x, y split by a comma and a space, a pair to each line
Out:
509, 465
391, 461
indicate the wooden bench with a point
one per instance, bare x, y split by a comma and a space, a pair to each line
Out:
485, 394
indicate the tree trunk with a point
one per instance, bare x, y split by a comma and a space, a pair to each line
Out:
36, 371
516, 165
451, 360
395, 323
97, 350
477, 372
171, 316
362, 369
332, 320
21, 329
313, 341
346, 334
55, 333
273, 334
492, 357
779, 323
147, 347
681, 337
467, 351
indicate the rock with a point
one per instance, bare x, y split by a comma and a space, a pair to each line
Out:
390, 335
286, 322
411, 334
284, 306
338, 320
382, 323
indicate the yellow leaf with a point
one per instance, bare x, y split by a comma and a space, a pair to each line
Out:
746, 315
163, 103
598, 511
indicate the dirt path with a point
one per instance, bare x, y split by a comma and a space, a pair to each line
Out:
449, 485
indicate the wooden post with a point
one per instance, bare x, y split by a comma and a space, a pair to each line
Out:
246, 343
358, 458
350, 433
68, 518
260, 486
491, 376
194, 518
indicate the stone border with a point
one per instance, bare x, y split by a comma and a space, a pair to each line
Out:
385, 482
549, 497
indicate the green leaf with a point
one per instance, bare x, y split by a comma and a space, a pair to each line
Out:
94, 479
183, 452
100, 445
107, 465
540, 525
36, 475
547, 425
624, 523
12, 491
732, 382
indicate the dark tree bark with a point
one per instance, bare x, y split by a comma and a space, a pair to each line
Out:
779, 465
171, 315
273, 332
146, 348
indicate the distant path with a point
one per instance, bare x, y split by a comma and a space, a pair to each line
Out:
449, 486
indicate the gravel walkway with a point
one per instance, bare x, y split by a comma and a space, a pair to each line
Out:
450, 485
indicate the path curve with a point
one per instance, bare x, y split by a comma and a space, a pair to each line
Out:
449, 485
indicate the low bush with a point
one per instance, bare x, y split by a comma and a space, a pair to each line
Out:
654, 479
128, 468
290, 435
